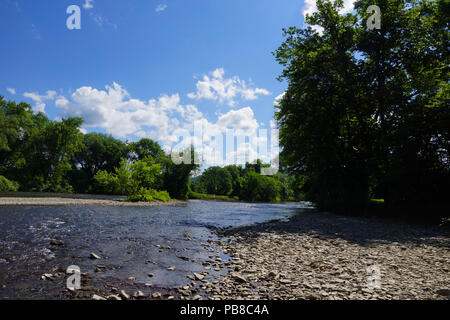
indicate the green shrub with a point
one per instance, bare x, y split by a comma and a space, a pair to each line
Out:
202, 196
107, 182
149, 195
7, 185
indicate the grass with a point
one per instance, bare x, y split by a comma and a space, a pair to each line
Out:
202, 196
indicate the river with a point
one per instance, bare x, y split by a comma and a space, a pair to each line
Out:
131, 242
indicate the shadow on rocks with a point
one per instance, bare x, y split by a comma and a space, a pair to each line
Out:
361, 231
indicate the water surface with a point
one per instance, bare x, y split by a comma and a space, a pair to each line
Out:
131, 241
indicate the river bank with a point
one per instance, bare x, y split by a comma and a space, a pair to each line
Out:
217, 250
61, 199
326, 256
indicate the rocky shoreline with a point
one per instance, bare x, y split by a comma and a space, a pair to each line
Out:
322, 256
66, 201
311, 256
326, 257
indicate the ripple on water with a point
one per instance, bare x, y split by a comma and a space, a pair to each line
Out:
126, 239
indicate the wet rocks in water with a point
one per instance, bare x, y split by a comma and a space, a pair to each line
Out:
183, 258
124, 295
46, 276
56, 242
171, 269
94, 256
97, 297
199, 276
151, 275
156, 295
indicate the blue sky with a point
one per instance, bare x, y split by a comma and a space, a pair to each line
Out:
145, 68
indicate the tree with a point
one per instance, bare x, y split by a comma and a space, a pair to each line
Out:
355, 119
34, 150
177, 176
258, 188
99, 152
145, 148
7, 185
217, 181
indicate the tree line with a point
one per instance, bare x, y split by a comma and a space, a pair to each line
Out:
366, 112
247, 184
40, 155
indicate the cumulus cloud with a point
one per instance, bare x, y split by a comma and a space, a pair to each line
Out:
243, 121
161, 8
277, 100
11, 90
114, 110
225, 90
164, 119
40, 99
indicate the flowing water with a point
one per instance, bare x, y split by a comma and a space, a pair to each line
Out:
131, 242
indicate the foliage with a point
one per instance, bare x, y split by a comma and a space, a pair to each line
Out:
244, 184
149, 195
99, 152
260, 188
203, 196
54, 156
177, 176
217, 181
366, 112
7, 185
36, 151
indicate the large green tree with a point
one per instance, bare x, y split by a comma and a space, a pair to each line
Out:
365, 110
99, 152
35, 151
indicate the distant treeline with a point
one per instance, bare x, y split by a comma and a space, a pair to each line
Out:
366, 113
37, 154
246, 183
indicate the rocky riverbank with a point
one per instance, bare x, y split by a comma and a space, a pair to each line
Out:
78, 200
325, 256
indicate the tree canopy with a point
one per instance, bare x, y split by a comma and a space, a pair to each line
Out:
366, 112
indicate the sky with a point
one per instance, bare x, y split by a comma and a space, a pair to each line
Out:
150, 68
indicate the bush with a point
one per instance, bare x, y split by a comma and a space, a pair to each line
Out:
202, 196
149, 195
7, 185
107, 182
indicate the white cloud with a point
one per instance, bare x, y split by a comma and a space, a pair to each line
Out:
311, 7
88, 4
225, 90
277, 100
40, 99
164, 119
161, 8
243, 121
11, 90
